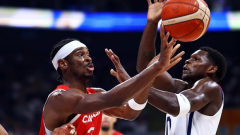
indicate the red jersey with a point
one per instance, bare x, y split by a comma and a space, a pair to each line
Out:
86, 124
116, 133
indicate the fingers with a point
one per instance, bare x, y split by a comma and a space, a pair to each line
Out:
108, 53
162, 33
177, 56
113, 73
115, 56
175, 49
174, 63
72, 132
149, 2
155, 1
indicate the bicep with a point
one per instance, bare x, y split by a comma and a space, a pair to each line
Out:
197, 99
74, 102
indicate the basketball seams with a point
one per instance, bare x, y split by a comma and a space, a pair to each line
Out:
181, 3
186, 4
180, 18
205, 25
202, 18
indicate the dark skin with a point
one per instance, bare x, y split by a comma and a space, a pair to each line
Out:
199, 83
78, 67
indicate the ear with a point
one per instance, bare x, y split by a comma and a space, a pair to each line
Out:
62, 64
212, 69
114, 120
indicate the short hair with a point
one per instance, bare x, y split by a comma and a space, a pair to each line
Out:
217, 59
55, 49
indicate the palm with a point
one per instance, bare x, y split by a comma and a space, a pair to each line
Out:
154, 11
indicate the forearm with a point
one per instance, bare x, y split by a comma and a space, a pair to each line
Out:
147, 46
164, 101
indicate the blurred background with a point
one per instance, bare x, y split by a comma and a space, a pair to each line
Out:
30, 28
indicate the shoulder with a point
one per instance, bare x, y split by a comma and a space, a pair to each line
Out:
207, 85
98, 90
60, 97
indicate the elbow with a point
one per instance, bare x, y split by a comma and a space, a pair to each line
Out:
131, 117
173, 110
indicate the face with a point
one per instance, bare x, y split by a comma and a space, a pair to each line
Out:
107, 122
196, 67
80, 63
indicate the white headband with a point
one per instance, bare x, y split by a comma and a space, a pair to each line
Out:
65, 51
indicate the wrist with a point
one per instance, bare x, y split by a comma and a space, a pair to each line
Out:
152, 22
135, 106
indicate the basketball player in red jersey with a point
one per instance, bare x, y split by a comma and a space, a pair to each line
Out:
107, 127
73, 103
194, 104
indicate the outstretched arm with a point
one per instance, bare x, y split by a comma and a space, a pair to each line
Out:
204, 92
147, 49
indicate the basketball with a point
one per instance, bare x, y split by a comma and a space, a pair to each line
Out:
186, 20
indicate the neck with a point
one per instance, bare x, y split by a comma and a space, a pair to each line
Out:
109, 132
192, 82
71, 82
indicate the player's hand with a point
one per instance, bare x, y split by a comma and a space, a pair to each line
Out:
154, 10
165, 61
157, 57
120, 72
66, 129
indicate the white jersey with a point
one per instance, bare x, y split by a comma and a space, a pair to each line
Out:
193, 123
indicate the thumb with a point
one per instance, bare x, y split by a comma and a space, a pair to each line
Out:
113, 73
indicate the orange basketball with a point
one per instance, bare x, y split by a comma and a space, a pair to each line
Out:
186, 20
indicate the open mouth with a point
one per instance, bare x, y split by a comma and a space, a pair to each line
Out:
185, 69
90, 67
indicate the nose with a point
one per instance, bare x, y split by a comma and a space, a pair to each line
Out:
88, 59
187, 61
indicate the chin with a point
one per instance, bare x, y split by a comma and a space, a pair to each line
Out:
89, 77
185, 77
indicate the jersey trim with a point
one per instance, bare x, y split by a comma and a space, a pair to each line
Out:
190, 123
75, 118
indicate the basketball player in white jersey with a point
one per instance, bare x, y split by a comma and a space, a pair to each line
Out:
194, 104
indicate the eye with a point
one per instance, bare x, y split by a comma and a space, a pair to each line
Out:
196, 58
80, 54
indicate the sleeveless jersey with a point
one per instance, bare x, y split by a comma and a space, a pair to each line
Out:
86, 124
193, 123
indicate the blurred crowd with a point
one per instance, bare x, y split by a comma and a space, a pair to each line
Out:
109, 5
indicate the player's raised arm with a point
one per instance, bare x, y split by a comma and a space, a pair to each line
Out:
147, 45
193, 99
147, 50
